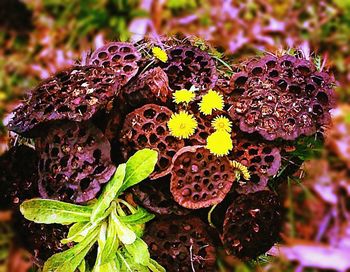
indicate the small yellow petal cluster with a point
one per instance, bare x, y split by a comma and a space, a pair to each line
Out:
160, 54
211, 101
183, 96
222, 123
182, 125
242, 168
219, 143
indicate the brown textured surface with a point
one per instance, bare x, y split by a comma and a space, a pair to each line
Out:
75, 94
263, 160
155, 196
281, 97
187, 66
18, 176
120, 56
252, 224
150, 87
199, 179
146, 127
74, 162
176, 242
41, 240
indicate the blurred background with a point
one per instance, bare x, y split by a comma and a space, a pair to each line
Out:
39, 37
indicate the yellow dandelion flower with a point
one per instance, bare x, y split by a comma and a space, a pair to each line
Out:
222, 123
241, 168
183, 96
211, 101
182, 125
160, 54
219, 143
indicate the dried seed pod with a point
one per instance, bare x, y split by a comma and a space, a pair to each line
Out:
147, 127
120, 56
252, 224
150, 87
75, 94
180, 244
41, 240
262, 160
155, 196
18, 176
204, 129
187, 66
199, 179
74, 162
281, 97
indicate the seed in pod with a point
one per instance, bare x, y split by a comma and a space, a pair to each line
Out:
263, 161
41, 240
122, 57
74, 162
281, 97
180, 244
150, 87
155, 196
146, 127
200, 179
189, 66
252, 224
75, 94
18, 176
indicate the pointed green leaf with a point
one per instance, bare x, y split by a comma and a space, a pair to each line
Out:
139, 252
82, 266
79, 236
125, 235
101, 244
139, 167
141, 216
109, 193
155, 267
112, 242
46, 211
69, 260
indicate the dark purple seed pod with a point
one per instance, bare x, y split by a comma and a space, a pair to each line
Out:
155, 196
180, 244
252, 224
18, 176
75, 94
281, 97
263, 161
122, 57
41, 240
150, 87
74, 162
146, 127
199, 179
188, 65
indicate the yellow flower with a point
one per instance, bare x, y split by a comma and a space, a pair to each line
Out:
182, 125
219, 143
211, 101
241, 168
183, 96
222, 123
160, 54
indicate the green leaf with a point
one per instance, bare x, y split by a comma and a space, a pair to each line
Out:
112, 242
128, 264
139, 167
46, 211
139, 252
101, 244
85, 230
82, 266
155, 267
69, 260
125, 235
109, 193
141, 216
